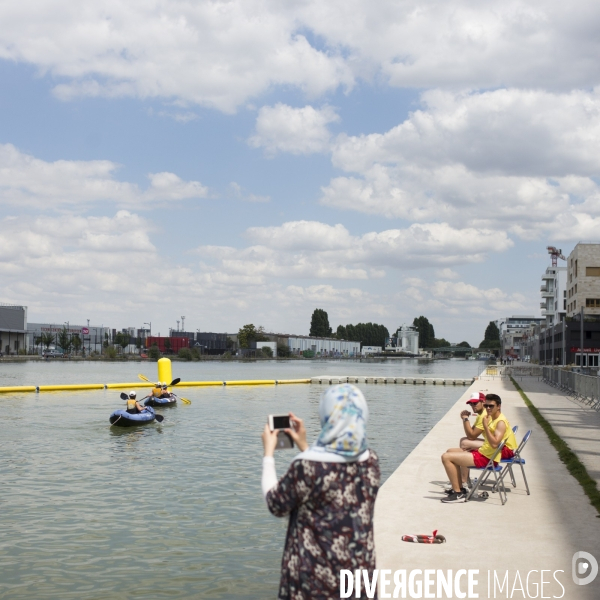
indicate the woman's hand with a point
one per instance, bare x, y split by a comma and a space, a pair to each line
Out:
269, 439
298, 432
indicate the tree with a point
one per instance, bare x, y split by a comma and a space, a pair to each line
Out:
64, 340
441, 343
464, 345
283, 350
426, 332
319, 324
167, 345
185, 354
368, 334
268, 352
249, 333
138, 344
122, 339
76, 341
154, 352
491, 338
47, 339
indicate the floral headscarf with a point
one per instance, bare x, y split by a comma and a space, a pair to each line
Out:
344, 414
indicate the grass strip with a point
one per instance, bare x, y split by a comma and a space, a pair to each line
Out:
566, 455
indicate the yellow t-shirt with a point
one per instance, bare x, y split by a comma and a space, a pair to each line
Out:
479, 421
511, 442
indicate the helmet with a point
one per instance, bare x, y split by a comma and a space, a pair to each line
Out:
157, 384
132, 394
164, 386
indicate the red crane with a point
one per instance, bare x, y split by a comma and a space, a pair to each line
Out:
555, 254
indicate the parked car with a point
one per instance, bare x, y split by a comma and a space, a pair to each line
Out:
53, 354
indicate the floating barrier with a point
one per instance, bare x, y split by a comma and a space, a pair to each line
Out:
118, 386
251, 382
164, 370
18, 388
67, 386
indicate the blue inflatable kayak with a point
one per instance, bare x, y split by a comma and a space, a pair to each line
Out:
162, 402
121, 418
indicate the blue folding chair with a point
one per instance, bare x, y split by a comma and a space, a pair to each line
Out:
487, 471
517, 459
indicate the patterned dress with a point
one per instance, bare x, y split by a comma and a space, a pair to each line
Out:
331, 524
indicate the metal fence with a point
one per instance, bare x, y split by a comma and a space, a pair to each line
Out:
585, 388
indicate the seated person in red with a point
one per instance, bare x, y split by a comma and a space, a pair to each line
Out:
496, 429
472, 440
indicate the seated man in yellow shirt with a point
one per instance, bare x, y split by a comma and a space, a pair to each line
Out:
472, 440
496, 429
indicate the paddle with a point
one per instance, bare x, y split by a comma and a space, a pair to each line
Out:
159, 418
174, 382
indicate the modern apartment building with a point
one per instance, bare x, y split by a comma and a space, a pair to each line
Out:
583, 280
554, 295
13, 328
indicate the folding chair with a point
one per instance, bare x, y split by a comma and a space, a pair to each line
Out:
517, 459
490, 468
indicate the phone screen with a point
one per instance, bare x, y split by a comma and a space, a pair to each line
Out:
282, 422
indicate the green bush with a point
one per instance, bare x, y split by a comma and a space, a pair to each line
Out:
227, 355
154, 352
308, 354
185, 354
268, 352
283, 350
110, 352
195, 353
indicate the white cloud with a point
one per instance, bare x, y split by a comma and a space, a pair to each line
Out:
219, 54
460, 298
211, 53
29, 181
314, 250
282, 128
239, 192
521, 161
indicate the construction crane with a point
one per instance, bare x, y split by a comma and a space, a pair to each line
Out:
555, 254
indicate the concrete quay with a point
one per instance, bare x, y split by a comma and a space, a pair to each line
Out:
526, 536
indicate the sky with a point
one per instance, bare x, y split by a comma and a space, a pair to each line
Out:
248, 161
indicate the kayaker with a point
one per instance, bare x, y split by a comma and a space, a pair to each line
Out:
133, 406
165, 391
157, 389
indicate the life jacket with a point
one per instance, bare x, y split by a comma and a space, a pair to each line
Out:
132, 406
156, 392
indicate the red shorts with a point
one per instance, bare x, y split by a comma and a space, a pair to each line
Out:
481, 461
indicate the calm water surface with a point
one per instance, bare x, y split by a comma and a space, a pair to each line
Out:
173, 510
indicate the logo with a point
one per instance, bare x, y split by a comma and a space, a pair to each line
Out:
85, 330
584, 568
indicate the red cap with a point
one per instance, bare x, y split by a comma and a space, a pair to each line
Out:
476, 397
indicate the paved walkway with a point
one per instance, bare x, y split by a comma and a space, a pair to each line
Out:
576, 423
537, 532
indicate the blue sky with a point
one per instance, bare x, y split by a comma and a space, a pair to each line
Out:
240, 162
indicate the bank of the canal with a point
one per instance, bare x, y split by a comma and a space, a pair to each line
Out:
534, 535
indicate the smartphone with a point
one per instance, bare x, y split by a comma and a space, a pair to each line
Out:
279, 422
284, 441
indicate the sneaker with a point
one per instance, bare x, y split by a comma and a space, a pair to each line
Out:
451, 491
455, 497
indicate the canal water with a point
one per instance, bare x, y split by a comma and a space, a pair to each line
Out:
175, 510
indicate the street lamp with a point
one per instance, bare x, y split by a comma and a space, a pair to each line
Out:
150, 328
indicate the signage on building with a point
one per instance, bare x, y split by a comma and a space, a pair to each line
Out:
586, 350
85, 330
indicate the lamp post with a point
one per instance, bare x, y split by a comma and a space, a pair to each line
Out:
68, 327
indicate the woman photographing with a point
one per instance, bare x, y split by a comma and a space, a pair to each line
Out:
329, 494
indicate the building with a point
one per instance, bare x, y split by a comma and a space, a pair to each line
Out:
91, 336
406, 340
206, 342
320, 346
169, 345
13, 328
514, 330
371, 350
583, 280
554, 295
